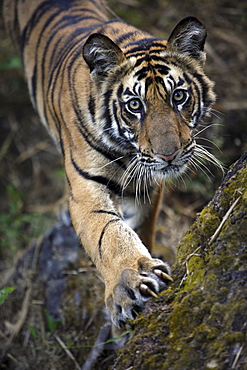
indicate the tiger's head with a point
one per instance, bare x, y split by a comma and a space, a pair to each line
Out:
150, 96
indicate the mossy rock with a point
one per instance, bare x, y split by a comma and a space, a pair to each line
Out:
200, 321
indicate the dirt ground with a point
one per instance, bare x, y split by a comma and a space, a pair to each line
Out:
31, 172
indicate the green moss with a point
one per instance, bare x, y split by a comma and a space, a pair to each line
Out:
208, 221
234, 189
185, 315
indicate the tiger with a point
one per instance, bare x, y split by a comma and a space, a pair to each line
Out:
122, 106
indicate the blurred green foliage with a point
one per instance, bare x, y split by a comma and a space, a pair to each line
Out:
52, 324
5, 292
14, 62
18, 227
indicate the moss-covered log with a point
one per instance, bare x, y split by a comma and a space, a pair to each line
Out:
200, 322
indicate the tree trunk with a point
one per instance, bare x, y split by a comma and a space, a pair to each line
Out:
200, 321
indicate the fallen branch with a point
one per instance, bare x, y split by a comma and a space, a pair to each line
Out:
23, 314
68, 352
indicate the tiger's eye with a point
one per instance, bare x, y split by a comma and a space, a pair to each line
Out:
135, 105
179, 96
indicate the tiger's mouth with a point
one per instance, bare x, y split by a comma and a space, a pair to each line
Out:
143, 170
172, 168
146, 170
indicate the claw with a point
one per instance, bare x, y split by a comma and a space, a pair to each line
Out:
162, 275
145, 289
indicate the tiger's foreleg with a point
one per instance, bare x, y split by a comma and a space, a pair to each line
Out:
130, 274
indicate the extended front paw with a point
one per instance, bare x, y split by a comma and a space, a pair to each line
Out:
135, 288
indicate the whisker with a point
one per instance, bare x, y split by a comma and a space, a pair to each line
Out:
216, 114
107, 164
205, 128
139, 177
147, 179
202, 167
211, 142
181, 177
201, 152
128, 174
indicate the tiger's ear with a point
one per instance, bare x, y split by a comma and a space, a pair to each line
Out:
101, 54
189, 37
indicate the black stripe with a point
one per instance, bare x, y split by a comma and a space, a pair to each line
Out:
109, 184
57, 119
97, 145
61, 142
127, 91
102, 235
148, 82
142, 73
58, 7
137, 88
115, 114
27, 31
125, 37
162, 69
160, 82
140, 51
63, 47
120, 91
34, 20
180, 82
59, 54
198, 109
137, 53
34, 86
173, 83
143, 44
65, 52
107, 212
205, 97
91, 107
107, 113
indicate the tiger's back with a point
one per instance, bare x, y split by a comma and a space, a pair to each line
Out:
122, 106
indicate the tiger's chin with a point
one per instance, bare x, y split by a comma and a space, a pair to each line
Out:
172, 171
175, 168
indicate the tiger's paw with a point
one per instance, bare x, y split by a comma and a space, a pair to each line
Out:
135, 287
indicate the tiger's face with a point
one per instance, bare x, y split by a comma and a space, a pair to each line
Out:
150, 104
154, 117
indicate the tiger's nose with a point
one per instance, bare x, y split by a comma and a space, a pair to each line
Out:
169, 157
